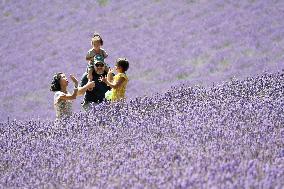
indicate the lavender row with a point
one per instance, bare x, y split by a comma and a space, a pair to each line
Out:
228, 136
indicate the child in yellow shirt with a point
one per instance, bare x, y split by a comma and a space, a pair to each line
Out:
118, 82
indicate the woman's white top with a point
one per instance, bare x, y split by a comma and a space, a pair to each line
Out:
62, 108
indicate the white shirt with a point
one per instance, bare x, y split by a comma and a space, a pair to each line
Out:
62, 108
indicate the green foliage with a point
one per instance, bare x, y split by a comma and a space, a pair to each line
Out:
102, 3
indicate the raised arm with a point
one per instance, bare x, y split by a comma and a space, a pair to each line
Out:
69, 97
83, 89
85, 85
113, 84
75, 91
110, 75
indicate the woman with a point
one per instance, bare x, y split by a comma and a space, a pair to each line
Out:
62, 98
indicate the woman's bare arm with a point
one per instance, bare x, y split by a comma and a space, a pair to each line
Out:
68, 96
82, 90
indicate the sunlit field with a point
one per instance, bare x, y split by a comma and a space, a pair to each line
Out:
228, 136
204, 105
166, 42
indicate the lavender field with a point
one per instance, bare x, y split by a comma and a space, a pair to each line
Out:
205, 98
228, 136
167, 43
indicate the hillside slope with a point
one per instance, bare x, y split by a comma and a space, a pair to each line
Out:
228, 136
167, 43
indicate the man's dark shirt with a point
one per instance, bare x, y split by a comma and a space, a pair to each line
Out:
98, 93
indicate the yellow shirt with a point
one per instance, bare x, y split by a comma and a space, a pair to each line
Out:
119, 93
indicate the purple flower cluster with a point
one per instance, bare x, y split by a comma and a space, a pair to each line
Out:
228, 136
167, 43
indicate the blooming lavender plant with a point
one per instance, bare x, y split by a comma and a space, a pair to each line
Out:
227, 136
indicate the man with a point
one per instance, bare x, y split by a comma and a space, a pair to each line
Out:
97, 94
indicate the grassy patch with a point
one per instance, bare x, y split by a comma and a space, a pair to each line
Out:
200, 60
102, 3
7, 14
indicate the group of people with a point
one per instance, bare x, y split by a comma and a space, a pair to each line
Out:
98, 83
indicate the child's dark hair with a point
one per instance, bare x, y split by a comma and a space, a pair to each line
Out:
55, 83
98, 35
123, 63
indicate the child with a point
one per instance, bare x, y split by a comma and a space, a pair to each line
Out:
119, 82
95, 53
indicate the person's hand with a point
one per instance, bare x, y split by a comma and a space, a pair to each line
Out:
90, 85
110, 72
75, 81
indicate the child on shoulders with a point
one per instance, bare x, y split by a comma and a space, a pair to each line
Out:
95, 53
